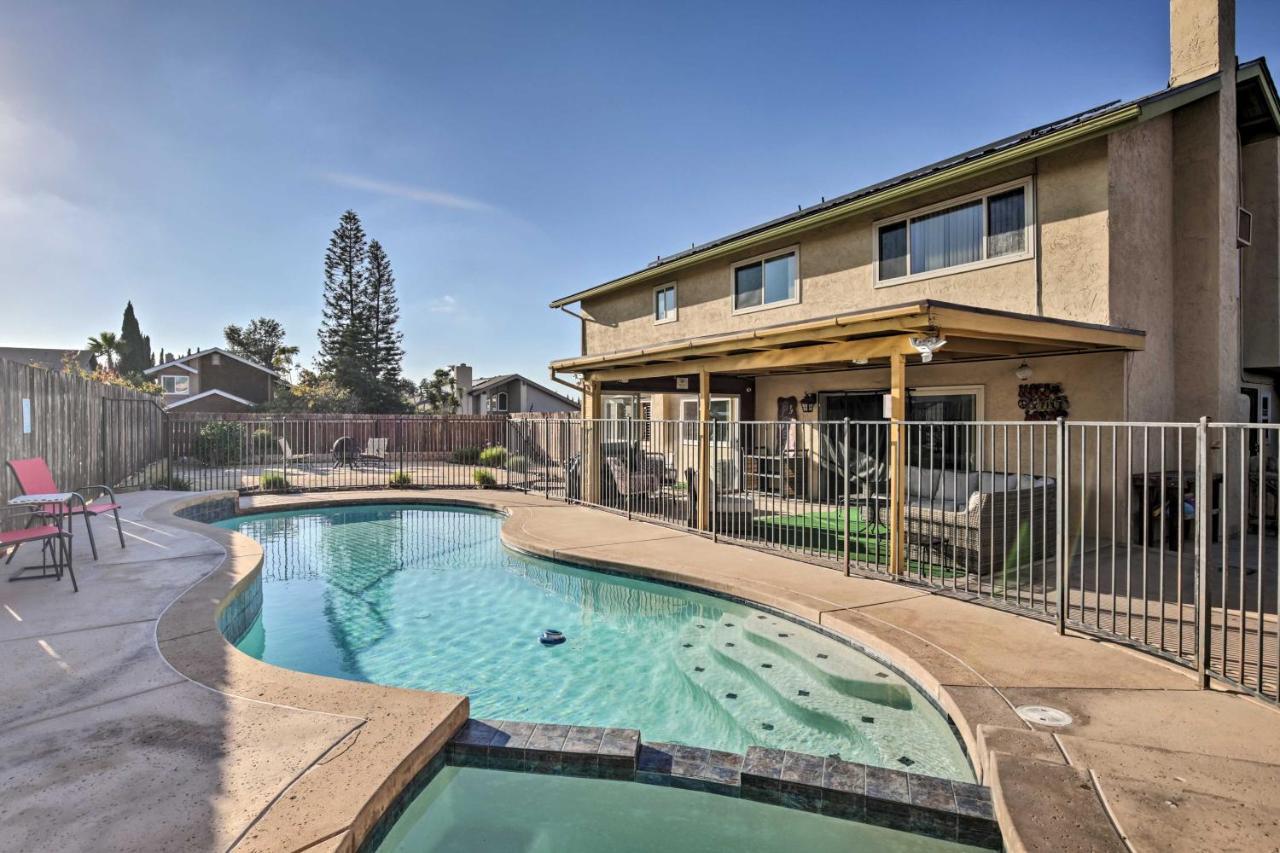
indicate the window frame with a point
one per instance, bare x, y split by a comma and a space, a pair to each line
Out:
734, 413
761, 259
674, 314
1028, 227
175, 392
979, 392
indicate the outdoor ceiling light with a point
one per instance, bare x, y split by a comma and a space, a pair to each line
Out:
1023, 372
808, 401
860, 361
927, 347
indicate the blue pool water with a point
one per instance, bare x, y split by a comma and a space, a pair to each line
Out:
427, 597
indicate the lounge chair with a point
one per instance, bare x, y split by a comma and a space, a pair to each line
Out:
375, 450
35, 478
631, 481
291, 458
55, 545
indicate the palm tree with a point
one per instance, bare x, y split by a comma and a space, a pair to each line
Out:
107, 345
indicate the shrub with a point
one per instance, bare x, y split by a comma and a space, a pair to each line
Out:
264, 441
466, 455
516, 462
273, 483
219, 443
493, 457
401, 478
174, 483
484, 479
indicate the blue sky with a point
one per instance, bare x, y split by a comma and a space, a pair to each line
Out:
194, 158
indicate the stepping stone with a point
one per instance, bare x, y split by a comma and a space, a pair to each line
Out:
907, 762
868, 719
802, 692
731, 695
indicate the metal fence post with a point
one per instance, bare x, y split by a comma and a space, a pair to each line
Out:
1204, 617
847, 503
1060, 547
546, 457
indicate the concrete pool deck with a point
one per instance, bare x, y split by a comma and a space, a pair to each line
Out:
126, 722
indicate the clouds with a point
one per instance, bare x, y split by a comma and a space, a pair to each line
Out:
443, 305
409, 192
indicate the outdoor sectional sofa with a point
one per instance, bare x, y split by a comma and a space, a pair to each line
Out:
980, 522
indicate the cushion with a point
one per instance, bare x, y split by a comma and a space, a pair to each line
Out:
992, 481
921, 482
954, 489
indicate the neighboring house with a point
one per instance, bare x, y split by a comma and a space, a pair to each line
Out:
509, 392
1109, 252
49, 359
214, 380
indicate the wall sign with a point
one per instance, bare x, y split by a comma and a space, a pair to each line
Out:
682, 383
1042, 401
26, 416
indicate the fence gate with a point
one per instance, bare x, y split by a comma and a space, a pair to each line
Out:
134, 441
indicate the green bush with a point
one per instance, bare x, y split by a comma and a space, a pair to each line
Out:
174, 483
466, 455
401, 478
219, 443
493, 457
516, 462
484, 479
273, 483
264, 441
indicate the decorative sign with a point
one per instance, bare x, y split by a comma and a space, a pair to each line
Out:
682, 383
26, 416
1042, 401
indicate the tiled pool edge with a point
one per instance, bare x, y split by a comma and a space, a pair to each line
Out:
893, 799
239, 610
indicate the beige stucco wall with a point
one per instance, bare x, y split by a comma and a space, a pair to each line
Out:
1261, 268
836, 266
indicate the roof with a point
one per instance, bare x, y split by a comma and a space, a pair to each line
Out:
49, 359
182, 362
491, 381
210, 393
1027, 144
970, 332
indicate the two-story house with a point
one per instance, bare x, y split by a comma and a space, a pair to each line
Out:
1109, 253
214, 380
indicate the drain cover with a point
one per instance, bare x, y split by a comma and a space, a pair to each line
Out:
1042, 715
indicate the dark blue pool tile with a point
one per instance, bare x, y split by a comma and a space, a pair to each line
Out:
887, 786
846, 778
771, 795
511, 735
762, 767
802, 797
801, 771
478, 733
547, 737
660, 779
579, 764
984, 833
620, 743
584, 739
844, 806
977, 796
654, 758
933, 823
931, 793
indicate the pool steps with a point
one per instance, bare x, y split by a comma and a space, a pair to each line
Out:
940, 808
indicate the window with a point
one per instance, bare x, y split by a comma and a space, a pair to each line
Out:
498, 402
978, 230
723, 412
664, 303
175, 384
767, 281
947, 446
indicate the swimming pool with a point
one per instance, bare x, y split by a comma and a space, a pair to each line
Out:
467, 809
427, 597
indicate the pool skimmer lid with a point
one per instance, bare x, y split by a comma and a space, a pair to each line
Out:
551, 637
1043, 715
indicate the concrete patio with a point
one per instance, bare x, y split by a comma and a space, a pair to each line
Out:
126, 722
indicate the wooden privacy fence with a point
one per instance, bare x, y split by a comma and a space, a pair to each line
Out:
87, 431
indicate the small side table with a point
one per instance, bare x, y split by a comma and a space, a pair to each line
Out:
36, 503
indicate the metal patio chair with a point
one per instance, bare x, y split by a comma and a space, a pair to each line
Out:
35, 478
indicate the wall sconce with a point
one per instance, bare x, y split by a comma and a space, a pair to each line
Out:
808, 401
858, 362
1023, 372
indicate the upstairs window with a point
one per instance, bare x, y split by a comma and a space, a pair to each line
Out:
664, 303
767, 281
175, 384
967, 233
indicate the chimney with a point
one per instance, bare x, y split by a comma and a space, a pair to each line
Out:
1202, 39
462, 383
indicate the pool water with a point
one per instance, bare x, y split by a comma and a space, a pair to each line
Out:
427, 597
466, 809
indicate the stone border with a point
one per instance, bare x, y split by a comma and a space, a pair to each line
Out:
893, 799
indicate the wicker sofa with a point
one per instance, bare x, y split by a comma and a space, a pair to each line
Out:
977, 521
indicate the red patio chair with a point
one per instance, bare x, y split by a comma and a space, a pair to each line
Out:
55, 544
35, 478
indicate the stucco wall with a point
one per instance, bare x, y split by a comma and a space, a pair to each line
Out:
1261, 269
1140, 224
836, 266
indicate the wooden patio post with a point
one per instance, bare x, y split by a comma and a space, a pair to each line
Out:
590, 441
704, 451
897, 437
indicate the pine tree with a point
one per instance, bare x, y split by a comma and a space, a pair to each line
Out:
135, 348
344, 330
384, 313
